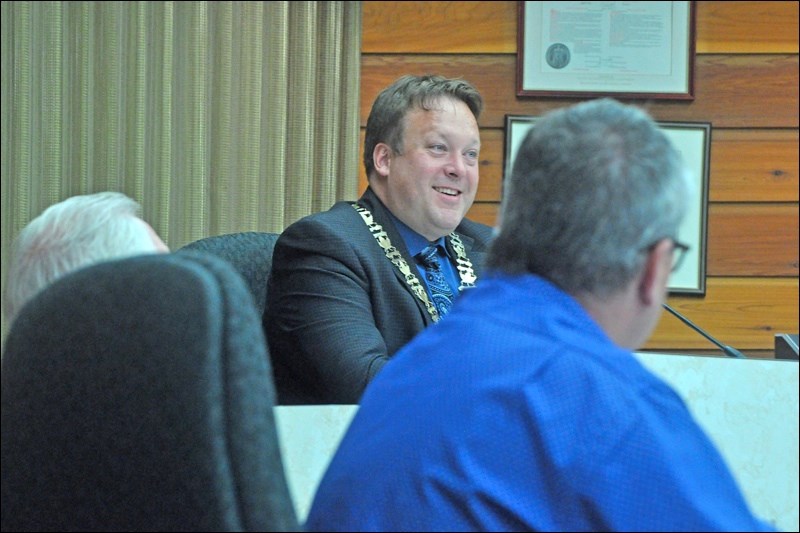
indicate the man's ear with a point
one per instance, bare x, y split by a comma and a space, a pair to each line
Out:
655, 273
382, 158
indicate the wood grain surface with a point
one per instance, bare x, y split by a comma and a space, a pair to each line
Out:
746, 86
491, 27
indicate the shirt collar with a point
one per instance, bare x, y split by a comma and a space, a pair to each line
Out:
413, 240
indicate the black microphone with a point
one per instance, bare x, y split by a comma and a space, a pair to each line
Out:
729, 351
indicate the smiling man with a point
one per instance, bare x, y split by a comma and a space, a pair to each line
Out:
352, 285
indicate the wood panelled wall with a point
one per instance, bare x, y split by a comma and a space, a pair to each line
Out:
746, 85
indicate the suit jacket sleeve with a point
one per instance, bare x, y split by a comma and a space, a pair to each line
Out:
320, 319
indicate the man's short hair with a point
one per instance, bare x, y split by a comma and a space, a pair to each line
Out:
71, 234
386, 121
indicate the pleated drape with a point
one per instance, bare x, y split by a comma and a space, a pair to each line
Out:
216, 116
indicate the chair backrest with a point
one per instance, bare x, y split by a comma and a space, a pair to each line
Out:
250, 253
137, 395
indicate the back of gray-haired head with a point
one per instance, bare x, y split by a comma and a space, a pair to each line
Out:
70, 234
386, 119
592, 187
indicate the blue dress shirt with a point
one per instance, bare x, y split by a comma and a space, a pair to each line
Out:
518, 413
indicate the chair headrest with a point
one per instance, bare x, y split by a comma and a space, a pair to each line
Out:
250, 253
138, 394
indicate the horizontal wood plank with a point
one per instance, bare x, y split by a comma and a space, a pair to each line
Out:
743, 240
715, 352
754, 166
491, 27
439, 27
747, 27
743, 91
745, 313
753, 240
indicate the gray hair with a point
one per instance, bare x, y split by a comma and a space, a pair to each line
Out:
69, 235
385, 123
592, 187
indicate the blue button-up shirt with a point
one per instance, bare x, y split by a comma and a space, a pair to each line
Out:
518, 413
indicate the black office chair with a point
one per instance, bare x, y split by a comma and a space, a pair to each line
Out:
250, 253
137, 395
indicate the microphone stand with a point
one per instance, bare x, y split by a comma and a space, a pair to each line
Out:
728, 350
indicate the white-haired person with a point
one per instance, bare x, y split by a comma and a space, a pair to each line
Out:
75, 233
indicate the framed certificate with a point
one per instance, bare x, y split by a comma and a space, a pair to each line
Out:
693, 140
622, 49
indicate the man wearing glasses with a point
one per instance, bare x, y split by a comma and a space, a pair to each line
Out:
525, 410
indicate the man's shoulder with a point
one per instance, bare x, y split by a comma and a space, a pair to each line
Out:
480, 233
328, 232
341, 213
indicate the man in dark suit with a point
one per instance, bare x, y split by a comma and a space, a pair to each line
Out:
348, 287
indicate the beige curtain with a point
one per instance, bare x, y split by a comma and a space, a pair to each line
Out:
216, 116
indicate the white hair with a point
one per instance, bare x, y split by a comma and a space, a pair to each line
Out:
72, 234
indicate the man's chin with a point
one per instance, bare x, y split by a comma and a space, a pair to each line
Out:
452, 218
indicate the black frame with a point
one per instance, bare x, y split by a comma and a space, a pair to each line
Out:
693, 139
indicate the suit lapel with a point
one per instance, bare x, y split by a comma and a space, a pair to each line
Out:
381, 216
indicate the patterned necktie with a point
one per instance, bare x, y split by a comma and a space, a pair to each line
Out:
441, 293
